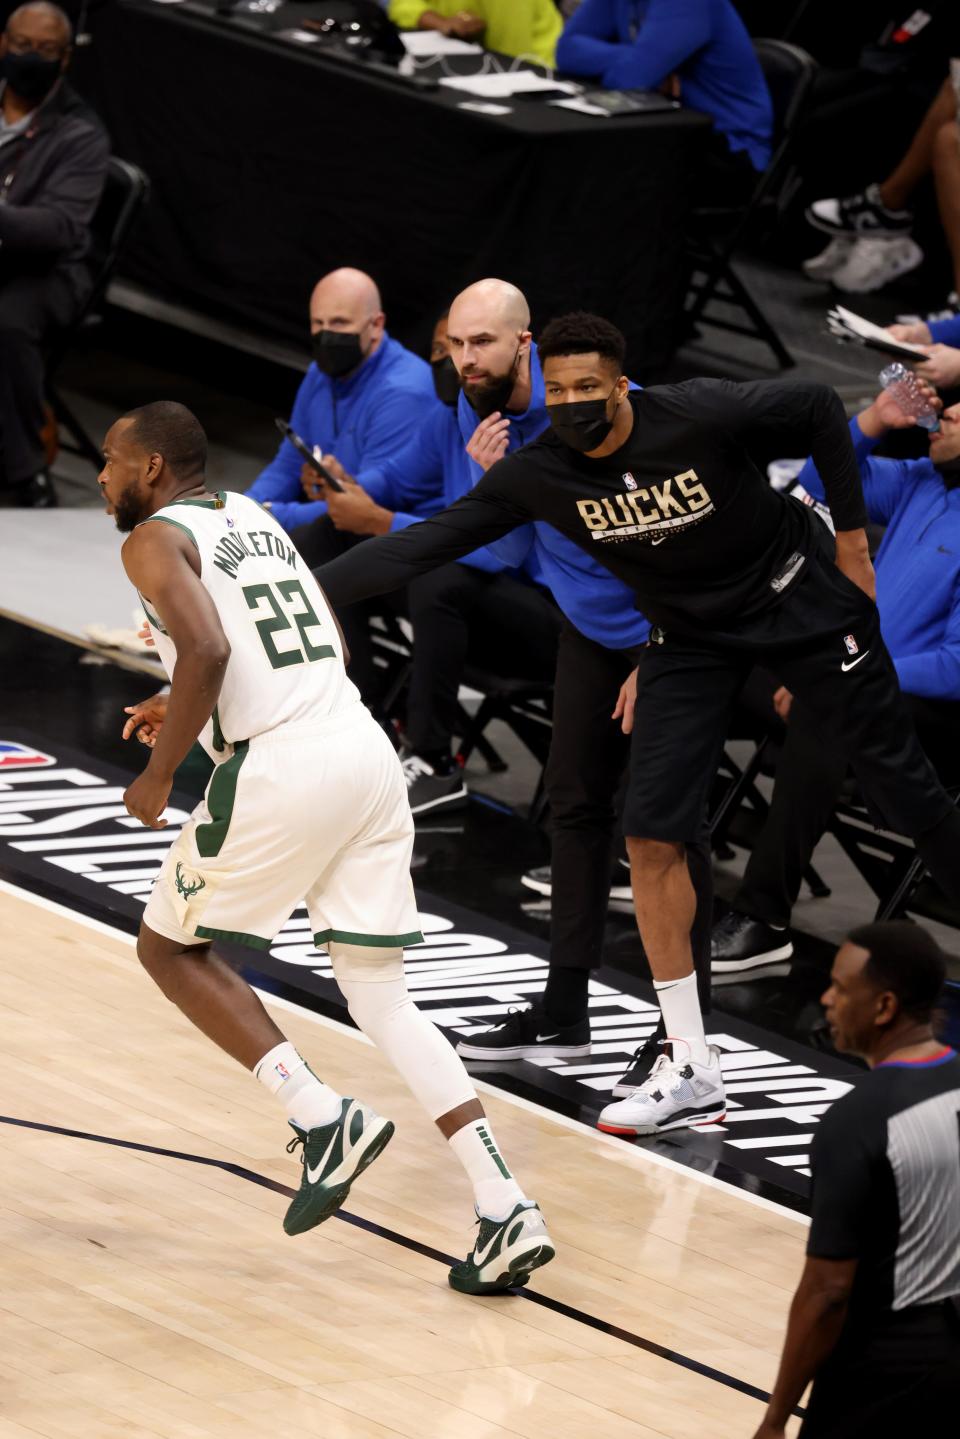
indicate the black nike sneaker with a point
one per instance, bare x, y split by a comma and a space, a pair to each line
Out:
528, 1034
739, 944
427, 790
863, 214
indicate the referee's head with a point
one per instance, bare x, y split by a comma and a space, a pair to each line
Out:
885, 985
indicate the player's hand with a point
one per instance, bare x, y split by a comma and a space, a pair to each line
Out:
146, 719
916, 334
490, 440
355, 512
146, 798
145, 633
853, 560
941, 367
783, 702
626, 703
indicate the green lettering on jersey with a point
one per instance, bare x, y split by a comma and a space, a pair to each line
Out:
265, 596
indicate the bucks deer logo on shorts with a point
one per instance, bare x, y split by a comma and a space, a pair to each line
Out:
188, 890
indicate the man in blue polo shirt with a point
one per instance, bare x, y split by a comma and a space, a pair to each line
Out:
918, 595
359, 399
701, 51
484, 607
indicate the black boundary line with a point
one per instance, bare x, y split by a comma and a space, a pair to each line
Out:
568, 1311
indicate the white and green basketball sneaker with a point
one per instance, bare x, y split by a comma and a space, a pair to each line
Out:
505, 1253
333, 1155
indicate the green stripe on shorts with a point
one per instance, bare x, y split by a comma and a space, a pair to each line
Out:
220, 800
371, 941
254, 940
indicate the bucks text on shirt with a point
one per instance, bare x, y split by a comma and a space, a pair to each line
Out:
680, 513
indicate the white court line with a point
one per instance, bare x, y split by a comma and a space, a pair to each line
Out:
626, 1153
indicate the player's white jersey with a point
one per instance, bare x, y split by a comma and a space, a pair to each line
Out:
286, 661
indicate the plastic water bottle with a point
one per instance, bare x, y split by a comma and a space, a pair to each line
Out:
905, 388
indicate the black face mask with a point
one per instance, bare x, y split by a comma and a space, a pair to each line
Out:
336, 352
31, 75
446, 381
495, 393
582, 424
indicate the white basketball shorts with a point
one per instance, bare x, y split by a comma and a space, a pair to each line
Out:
316, 812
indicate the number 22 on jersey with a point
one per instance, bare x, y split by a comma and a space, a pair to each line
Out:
281, 606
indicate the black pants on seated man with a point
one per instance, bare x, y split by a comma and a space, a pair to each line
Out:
809, 777
461, 615
32, 307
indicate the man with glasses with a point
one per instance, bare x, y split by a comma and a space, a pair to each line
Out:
53, 162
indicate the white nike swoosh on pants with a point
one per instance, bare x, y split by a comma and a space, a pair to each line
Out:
853, 663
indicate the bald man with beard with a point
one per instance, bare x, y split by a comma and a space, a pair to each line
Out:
53, 162
362, 397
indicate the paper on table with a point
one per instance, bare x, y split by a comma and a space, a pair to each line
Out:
502, 86
868, 331
422, 43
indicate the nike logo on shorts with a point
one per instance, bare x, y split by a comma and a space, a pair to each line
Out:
852, 664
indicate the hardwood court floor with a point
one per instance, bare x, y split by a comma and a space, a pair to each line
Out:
145, 1295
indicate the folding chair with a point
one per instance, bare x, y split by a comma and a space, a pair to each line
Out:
124, 195
789, 73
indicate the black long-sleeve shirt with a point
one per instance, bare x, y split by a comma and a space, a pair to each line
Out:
680, 512
51, 178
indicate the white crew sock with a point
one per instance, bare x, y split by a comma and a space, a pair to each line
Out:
309, 1102
680, 1006
495, 1190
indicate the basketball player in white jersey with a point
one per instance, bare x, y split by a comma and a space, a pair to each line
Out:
307, 800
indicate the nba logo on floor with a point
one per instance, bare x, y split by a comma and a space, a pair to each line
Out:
22, 756
852, 647
629, 481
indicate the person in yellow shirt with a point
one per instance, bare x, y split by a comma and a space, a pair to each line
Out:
514, 27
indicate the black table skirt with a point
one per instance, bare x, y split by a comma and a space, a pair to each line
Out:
270, 165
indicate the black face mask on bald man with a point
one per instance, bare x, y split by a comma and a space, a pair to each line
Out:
336, 352
30, 75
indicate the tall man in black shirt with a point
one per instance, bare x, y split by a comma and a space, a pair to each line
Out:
875, 1321
659, 486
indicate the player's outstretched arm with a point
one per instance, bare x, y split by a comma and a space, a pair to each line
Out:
392, 561
163, 564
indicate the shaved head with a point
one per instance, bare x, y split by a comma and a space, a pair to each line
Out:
489, 336
345, 293
346, 321
497, 301
53, 20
